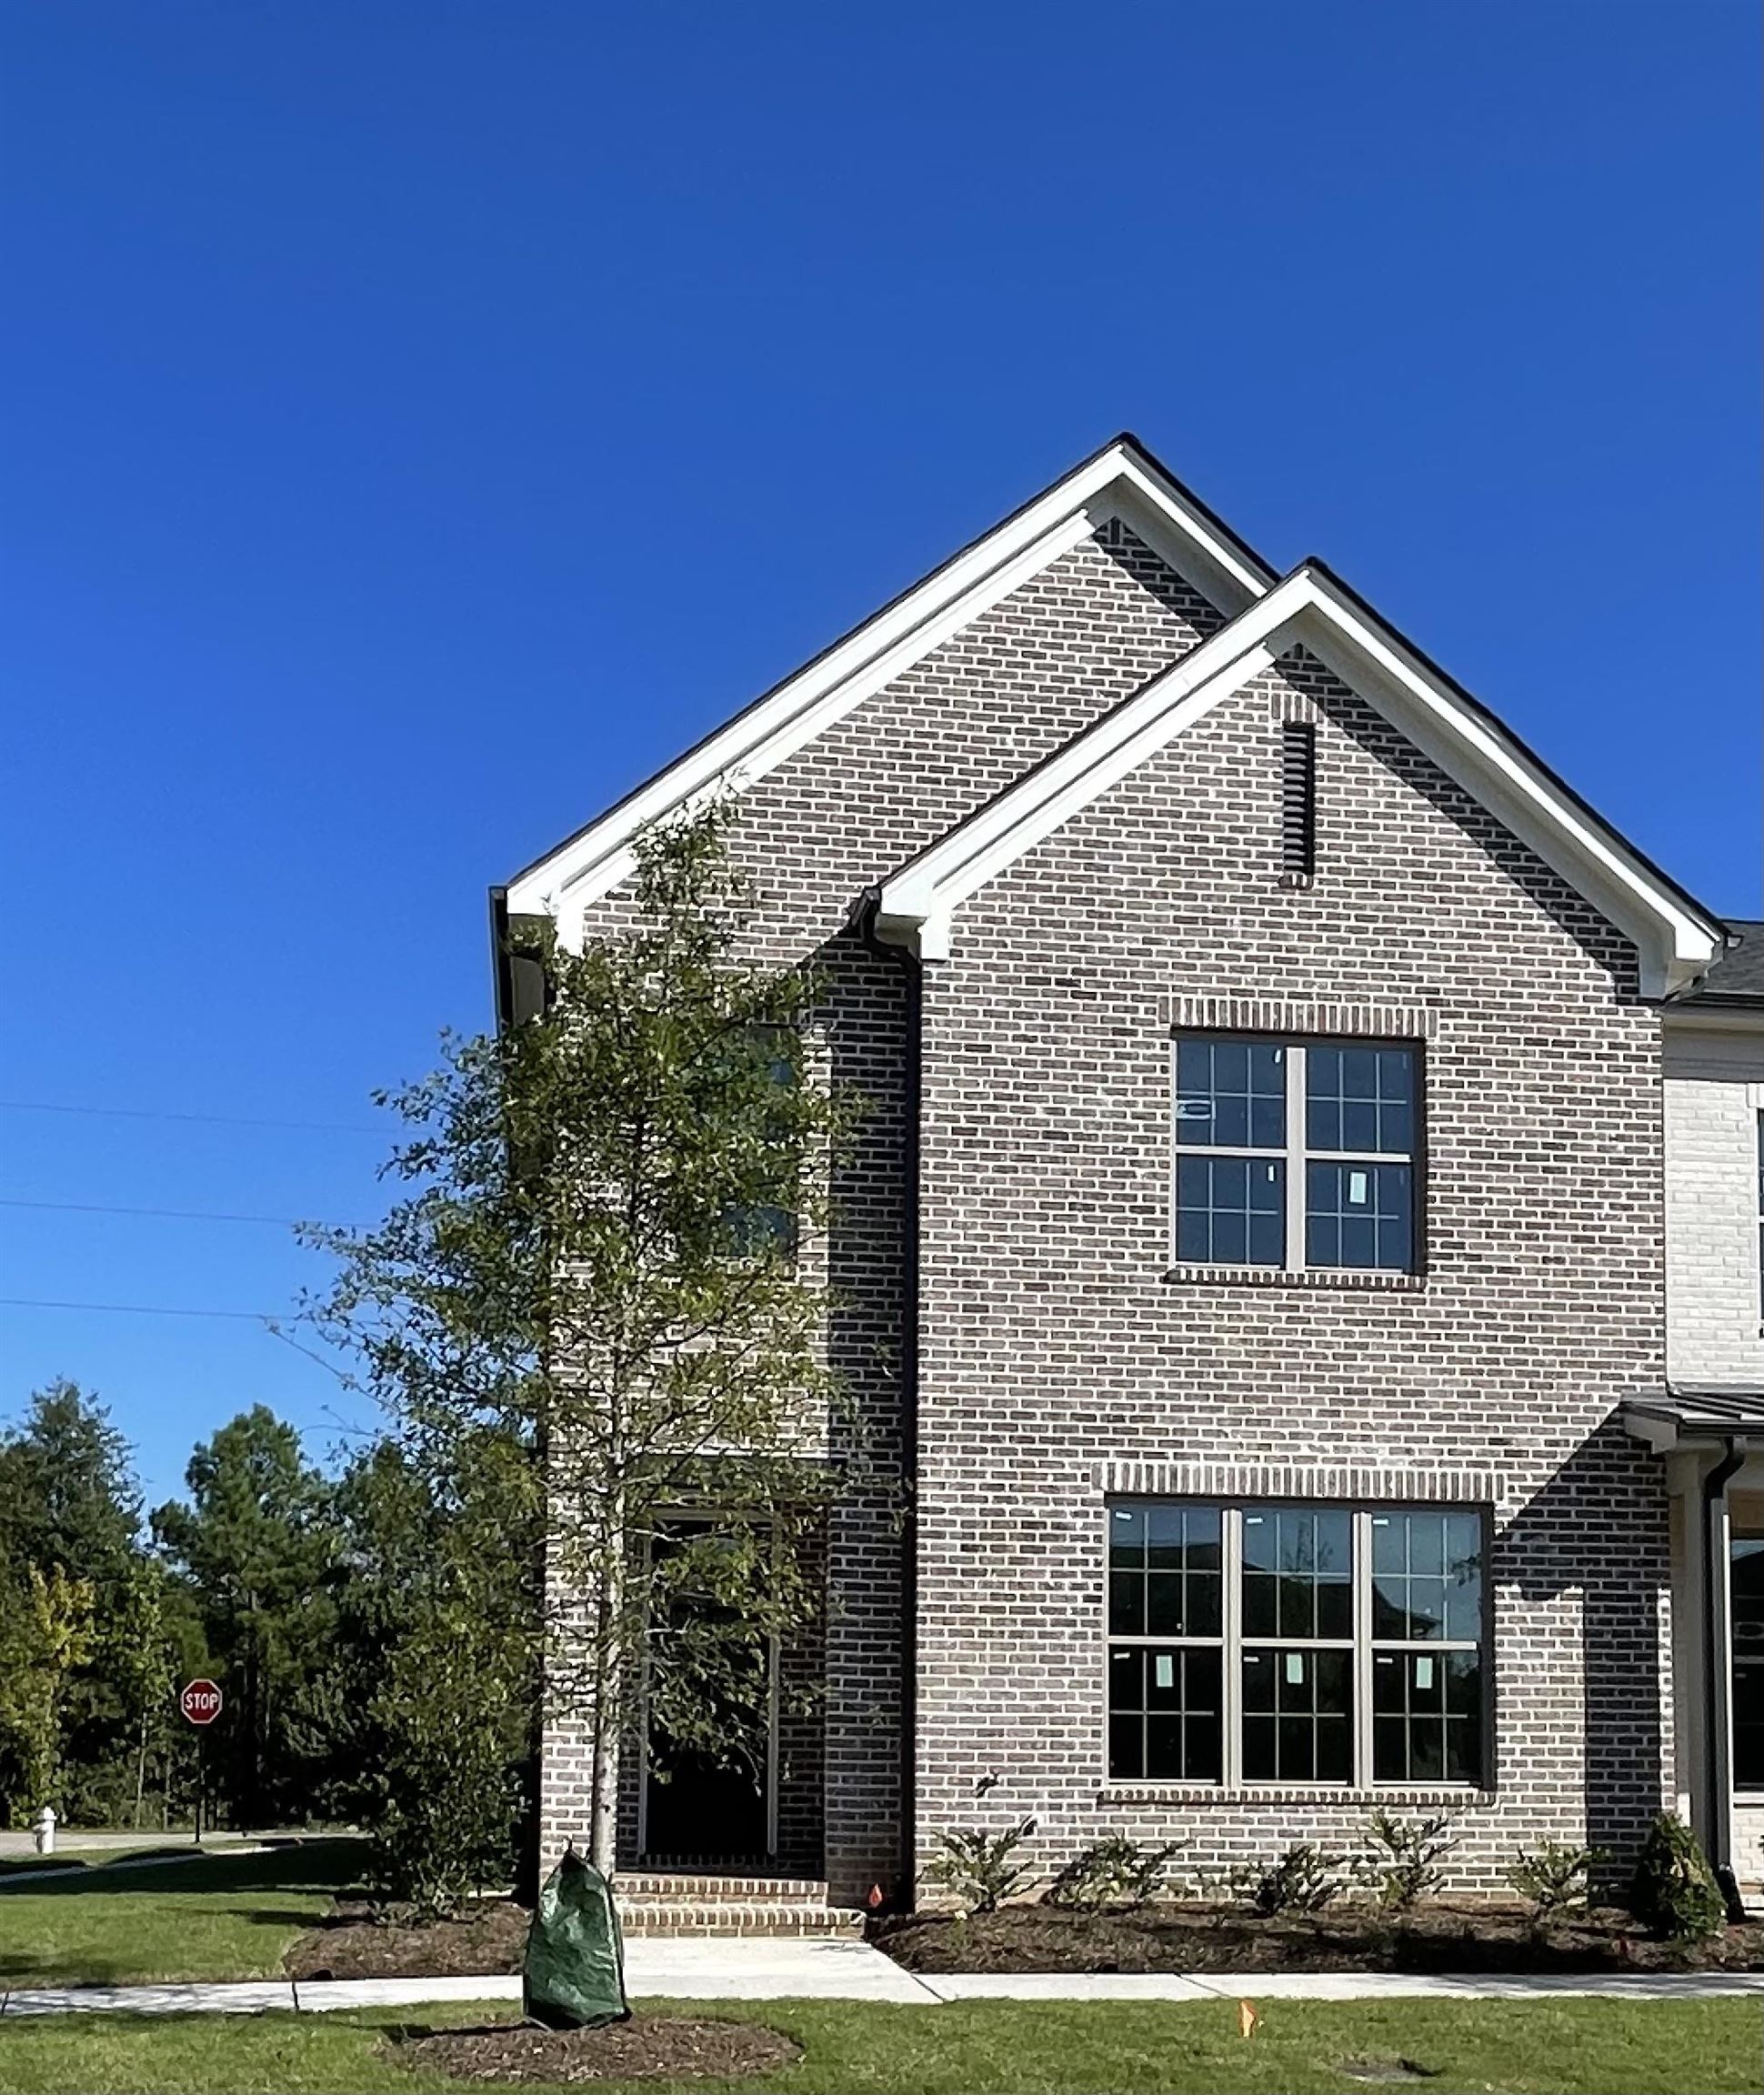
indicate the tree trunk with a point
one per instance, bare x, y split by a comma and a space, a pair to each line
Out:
609, 1607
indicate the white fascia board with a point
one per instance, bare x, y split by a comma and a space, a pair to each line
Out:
1307, 608
1676, 945
1161, 515
1114, 483
982, 847
749, 748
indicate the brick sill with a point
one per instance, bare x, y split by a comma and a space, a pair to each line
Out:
1310, 1277
1436, 1794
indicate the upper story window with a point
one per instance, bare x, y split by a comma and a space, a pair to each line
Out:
760, 1226
1761, 1211
1295, 1153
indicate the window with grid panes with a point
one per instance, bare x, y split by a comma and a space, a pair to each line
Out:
1295, 1153
1273, 1643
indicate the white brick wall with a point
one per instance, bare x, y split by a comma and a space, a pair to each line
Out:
1715, 1316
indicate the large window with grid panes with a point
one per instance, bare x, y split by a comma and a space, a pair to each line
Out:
1297, 1154
1320, 1645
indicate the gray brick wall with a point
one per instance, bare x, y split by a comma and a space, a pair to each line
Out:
1058, 1360
1055, 1344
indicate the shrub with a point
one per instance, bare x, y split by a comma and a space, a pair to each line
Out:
1553, 1878
1303, 1880
1674, 1891
982, 1869
445, 1798
1112, 1872
1405, 1859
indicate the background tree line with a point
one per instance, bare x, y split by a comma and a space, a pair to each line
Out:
315, 1599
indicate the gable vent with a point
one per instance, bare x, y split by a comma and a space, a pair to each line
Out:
1297, 799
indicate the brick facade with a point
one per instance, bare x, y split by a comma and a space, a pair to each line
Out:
1018, 1342
1055, 1340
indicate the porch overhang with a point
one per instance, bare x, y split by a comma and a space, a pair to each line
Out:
1692, 1416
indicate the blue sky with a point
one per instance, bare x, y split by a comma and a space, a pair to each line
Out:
417, 422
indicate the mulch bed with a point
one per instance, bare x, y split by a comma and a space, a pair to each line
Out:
352, 1943
1444, 1935
651, 2048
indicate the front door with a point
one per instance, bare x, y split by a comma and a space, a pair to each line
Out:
703, 1805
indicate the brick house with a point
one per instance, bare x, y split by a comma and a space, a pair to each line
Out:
1302, 1252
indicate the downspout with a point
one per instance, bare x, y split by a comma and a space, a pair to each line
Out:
912, 984
529, 1851
501, 962
1719, 1820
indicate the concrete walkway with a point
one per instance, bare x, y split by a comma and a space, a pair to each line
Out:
730, 1968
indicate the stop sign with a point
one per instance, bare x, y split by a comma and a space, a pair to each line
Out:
200, 1702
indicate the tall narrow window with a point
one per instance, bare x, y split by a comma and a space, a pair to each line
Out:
1760, 1212
1297, 799
764, 1222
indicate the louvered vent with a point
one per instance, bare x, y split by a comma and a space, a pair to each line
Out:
1297, 799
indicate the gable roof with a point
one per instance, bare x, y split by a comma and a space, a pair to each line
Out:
1123, 480
1677, 937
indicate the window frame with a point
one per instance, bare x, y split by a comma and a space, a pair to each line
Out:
1363, 1646
1758, 1158
747, 1239
1295, 1156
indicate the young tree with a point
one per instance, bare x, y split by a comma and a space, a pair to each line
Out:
593, 1268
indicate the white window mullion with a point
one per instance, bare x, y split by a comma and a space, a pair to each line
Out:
1363, 1650
1295, 1257
1231, 1658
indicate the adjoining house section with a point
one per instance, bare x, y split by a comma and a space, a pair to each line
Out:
1708, 1425
1309, 1191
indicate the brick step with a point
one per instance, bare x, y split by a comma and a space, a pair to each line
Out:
696, 1886
774, 1917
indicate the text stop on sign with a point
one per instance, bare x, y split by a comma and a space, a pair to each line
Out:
200, 1702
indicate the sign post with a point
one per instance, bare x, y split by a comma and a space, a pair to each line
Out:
199, 1704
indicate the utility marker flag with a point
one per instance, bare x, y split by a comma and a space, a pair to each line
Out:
1246, 2018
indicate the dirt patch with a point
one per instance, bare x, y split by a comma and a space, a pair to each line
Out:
352, 1944
651, 2048
1446, 1935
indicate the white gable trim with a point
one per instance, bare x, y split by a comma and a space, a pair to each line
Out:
1119, 481
1677, 942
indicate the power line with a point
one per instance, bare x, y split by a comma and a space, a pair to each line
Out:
172, 1214
266, 1316
207, 1119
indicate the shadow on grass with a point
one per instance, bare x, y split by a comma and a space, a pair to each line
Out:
330, 1866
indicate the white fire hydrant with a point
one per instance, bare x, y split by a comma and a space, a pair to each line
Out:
44, 1826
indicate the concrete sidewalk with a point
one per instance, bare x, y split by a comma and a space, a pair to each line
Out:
731, 1969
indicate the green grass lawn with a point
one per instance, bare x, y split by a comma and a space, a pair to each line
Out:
222, 1917
979, 2048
